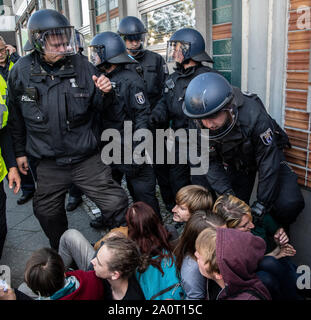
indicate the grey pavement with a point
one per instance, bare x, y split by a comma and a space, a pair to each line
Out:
25, 234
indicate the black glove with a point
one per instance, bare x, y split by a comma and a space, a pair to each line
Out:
154, 119
258, 213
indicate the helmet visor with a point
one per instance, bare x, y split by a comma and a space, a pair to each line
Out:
177, 51
96, 55
60, 41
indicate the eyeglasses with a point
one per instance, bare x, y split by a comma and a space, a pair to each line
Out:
2, 50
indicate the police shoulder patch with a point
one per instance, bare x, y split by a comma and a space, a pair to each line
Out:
140, 98
267, 137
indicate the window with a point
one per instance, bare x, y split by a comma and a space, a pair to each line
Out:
164, 21
107, 15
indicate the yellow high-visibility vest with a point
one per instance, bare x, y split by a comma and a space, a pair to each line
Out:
4, 114
3, 92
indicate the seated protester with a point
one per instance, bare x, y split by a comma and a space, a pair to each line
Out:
116, 262
230, 258
152, 238
45, 279
190, 199
76, 250
159, 280
194, 284
234, 210
276, 270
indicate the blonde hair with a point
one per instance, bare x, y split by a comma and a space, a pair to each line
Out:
206, 246
195, 197
231, 209
2, 40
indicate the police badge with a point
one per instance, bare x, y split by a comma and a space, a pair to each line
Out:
140, 98
266, 137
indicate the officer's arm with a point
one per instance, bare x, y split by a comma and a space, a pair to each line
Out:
159, 114
268, 160
16, 121
217, 176
7, 150
139, 105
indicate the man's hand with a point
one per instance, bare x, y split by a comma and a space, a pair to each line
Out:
10, 48
14, 178
7, 295
102, 83
22, 163
280, 237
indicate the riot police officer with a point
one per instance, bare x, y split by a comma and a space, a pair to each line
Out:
244, 140
108, 53
186, 48
154, 71
53, 100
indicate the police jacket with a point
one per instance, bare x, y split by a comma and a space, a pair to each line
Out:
154, 71
169, 108
129, 101
254, 144
51, 113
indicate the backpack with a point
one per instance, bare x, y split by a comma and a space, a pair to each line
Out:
156, 286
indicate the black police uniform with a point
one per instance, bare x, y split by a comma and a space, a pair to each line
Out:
130, 104
169, 108
255, 144
51, 117
154, 71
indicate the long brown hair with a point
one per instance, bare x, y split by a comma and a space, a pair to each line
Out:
147, 230
199, 221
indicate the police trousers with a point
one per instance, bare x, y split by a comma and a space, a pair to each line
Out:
141, 183
95, 181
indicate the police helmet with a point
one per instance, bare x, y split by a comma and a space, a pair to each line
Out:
207, 94
80, 41
132, 29
50, 32
108, 47
190, 43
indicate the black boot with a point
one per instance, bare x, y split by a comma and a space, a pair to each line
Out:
73, 203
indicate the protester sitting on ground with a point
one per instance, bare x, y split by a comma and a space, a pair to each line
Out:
190, 199
152, 238
276, 270
230, 258
117, 261
160, 280
45, 279
237, 214
194, 284
113, 277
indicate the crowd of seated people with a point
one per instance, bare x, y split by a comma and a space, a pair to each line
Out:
221, 254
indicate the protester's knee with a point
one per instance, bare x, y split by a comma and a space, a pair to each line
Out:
69, 236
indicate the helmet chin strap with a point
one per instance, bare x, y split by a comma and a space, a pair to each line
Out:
140, 49
228, 125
